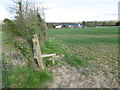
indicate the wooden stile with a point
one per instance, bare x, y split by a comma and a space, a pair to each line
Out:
37, 51
38, 54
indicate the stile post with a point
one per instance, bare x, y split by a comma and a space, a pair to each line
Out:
37, 51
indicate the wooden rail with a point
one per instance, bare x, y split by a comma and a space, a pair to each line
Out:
50, 55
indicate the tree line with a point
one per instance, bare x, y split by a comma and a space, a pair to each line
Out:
85, 24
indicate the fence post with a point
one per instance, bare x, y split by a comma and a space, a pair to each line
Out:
37, 51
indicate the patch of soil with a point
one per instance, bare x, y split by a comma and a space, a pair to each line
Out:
66, 76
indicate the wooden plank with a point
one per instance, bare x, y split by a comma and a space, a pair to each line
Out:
48, 55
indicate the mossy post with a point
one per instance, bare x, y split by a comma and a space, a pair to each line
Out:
37, 51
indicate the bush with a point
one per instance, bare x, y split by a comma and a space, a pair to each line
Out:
24, 48
23, 77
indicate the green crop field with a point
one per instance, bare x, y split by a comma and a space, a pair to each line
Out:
101, 44
85, 35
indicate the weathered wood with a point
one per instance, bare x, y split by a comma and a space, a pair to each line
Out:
38, 55
48, 55
37, 51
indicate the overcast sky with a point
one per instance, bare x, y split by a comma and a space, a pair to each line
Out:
72, 10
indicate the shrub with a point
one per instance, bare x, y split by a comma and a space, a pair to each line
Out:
24, 48
23, 77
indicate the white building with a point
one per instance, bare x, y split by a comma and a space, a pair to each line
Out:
58, 26
80, 25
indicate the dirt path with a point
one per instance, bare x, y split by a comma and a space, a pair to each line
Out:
69, 77
65, 76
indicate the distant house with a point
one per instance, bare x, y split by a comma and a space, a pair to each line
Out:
73, 25
58, 26
70, 26
65, 25
80, 25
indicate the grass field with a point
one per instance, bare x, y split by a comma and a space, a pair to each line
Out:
101, 44
85, 35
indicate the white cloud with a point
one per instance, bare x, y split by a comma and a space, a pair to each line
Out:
49, 5
73, 10
68, 15
4, 13
80, 10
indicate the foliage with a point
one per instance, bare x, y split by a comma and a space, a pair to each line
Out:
50, 26
117, 24
100, 23
10, 27
23, 77
27, 22
25, 49
83, 22
91, 24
